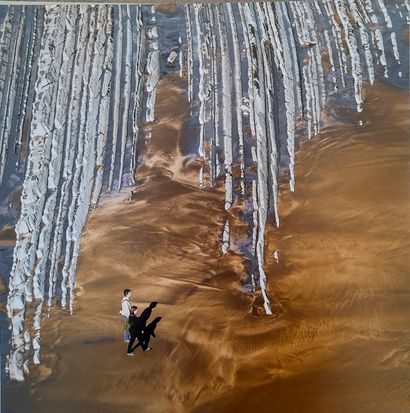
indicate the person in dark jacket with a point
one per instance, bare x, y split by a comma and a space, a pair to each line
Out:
134, 330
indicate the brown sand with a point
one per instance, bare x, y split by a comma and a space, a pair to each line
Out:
7, 236
342, 342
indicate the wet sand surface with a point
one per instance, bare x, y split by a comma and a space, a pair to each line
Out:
340, 343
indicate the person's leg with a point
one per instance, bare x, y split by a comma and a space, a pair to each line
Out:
130, 344
126, 332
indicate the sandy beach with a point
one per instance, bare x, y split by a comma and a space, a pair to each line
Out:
338, 341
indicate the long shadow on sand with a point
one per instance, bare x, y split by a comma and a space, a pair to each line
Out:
149, 331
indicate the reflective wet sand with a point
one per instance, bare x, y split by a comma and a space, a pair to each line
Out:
339, 340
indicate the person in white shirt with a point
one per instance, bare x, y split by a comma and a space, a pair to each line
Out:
125, 313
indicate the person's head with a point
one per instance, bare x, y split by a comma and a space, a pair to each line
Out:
134, 309
127, 292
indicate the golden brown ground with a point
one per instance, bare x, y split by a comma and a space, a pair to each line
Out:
341, 343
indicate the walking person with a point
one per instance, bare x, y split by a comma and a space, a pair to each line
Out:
125, 313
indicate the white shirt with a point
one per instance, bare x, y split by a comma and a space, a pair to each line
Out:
125, 307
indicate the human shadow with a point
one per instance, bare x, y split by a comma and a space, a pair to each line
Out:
145, 315
148, 332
